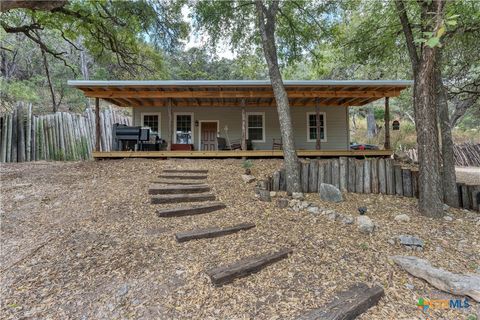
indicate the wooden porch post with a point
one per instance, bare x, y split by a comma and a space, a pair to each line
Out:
386, 145
170, 125
97, 124
317, 118
244, 126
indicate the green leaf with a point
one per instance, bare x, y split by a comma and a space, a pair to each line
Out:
451, 22
441, 32
433, 42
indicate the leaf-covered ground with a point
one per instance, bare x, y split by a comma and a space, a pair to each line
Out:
81, 240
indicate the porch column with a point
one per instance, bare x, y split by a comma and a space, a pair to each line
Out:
97, 124
386, 145
244, 125
170, 125
317, 119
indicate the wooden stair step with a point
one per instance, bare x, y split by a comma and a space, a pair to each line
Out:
211, 232
191, 210
202, 171
177, 189
348, 304
180, 177
225, 274
176, 198
178, 182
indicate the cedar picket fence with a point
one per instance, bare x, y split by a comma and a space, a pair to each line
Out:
56, 136
371, 175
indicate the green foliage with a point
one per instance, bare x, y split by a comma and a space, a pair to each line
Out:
247, 164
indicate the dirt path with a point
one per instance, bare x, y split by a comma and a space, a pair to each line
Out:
81, 240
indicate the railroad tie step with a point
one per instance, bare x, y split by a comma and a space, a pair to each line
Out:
178, 189
199, 171
178, 182
182, 177
177, 198
191, 210
347, 304
226, 274
211, 232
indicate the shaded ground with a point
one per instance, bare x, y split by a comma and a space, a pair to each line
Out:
81, 240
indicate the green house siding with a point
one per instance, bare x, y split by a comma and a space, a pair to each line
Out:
336, 124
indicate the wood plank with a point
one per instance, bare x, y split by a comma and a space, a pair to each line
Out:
177, 198
359, 176
327, 172
335, 173
367, 175
177, 189
212, 232
305, 171
178, 182
199, 171
347, 305
398, 180
466, 201
475, 195
226, 274
351, 175
343, 171
283, 180
190, 210
407, 182
321, 174
374, 179
382, 180
313, 176
390, 175
276, 181
415, 191
180, 177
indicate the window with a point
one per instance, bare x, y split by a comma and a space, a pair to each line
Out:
183, 128
151, 120
256, 126
312, 127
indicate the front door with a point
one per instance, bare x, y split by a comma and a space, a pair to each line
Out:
208, 136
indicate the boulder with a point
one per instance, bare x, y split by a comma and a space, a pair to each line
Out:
402, 156
248, 178
330, 193
365, 224
411, 242
313, 210
402, 218
273, 194
447, 218
347, 219
297, 195
282, 203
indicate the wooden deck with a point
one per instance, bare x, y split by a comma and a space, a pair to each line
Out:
239, 154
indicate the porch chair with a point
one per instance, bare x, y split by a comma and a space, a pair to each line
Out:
277, 144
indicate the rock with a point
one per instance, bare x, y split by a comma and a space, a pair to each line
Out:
347, 219
391, 241
402, 156
330, 193
264, 195
313, 210
457, 284
304, 204
439, 249
282, 203
409, 286
402, 218
297, 195
411, 242
19, 197
362, 210
365, 224
445, 207
273, 194
123, 290
462, 245
447, 218
248, 178
333, 216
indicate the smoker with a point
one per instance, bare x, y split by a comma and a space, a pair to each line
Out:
129, 137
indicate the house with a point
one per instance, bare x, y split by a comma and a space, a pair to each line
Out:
192, 115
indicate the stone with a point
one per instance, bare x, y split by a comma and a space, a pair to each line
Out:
409, 286
304, 204
123, 290
264, 195
273, 194
445, 207
402, 156
447, 218
282, 203
347, 219
410, 242
462, 245
297, 195
333, 216
19, 197
365, 224
313, 210
330, 193
402, 218
391, 241
248, 178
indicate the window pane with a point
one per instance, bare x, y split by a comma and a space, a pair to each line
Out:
312, 126
184, 129
313, 133
312, 120
255, 120
151, 121
255, 133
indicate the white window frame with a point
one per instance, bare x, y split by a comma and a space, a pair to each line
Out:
263, 125
175, 114
159, 114
324, 127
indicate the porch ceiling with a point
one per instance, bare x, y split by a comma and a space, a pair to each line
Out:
256, 93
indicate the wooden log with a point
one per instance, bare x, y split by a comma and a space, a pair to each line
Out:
305, 170
178, 189
382, 180
190, 210
398, 180
343, 172
181, 177
359, 176
475, 196
466, 201
3, 149
347, 305
28, 134
177, 182
414, 183
390, 176
276, 181
21, 133
199, 171
407, 183
335, 173
321, 174
8, 151
367, 176
351, 175
374, 176
33, 144
283, 180
225, 274
14, 142
212, 232
61, 133
313, 176
328, 172
177, 198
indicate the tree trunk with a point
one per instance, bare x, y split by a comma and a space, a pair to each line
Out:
448, 159
461, 107
266, 22
371, 124
50, 85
